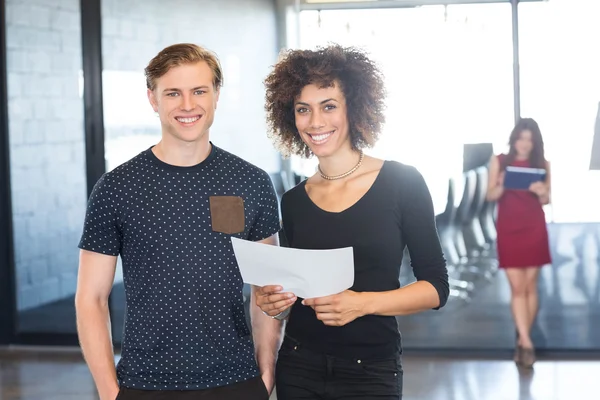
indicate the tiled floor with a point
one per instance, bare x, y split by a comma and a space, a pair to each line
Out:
464, 379
64, 376
569, 317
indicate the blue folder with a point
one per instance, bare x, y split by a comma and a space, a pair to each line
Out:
520, 178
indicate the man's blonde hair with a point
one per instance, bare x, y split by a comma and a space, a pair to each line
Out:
181, 54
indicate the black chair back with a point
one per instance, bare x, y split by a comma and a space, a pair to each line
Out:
472, 230
447, 217
463, 211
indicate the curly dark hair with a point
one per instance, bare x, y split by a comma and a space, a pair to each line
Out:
360, 81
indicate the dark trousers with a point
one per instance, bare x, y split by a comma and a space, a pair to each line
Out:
304, 374
253, 389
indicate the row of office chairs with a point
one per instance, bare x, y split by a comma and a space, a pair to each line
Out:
467, 232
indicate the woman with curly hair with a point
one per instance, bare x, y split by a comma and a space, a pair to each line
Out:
328, 103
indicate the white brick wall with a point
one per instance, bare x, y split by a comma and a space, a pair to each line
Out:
46, 111
46, 144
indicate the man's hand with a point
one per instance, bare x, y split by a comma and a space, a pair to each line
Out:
267, 332
269, 381
112, 395
271, 301
94, 283
339, 309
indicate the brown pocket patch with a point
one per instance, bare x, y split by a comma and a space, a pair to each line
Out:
227, 214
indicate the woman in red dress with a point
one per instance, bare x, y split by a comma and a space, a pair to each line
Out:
522, 240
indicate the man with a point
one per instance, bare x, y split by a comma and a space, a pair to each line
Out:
170, 213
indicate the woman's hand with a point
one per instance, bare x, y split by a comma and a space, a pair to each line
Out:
542, 191
539, 188
339, 309
495, 188
271, 301
500, 185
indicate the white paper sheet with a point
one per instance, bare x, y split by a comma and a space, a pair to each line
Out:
306, 273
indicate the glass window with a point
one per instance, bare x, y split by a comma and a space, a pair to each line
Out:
560, 88
448, 73
134, 32
47, 159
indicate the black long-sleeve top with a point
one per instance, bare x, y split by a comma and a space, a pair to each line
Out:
396, 212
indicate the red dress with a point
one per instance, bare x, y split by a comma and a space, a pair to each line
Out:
522, 238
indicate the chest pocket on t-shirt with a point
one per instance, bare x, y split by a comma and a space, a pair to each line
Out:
227, 214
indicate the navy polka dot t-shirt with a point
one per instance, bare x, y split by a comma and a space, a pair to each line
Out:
185, 326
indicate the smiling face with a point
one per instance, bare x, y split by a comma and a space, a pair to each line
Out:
186, 99
321, 119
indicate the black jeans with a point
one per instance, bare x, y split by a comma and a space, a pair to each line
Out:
253, 389
304, 374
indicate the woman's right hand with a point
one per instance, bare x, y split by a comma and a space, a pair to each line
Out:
271, 301
501, 176
500, 186
495, 187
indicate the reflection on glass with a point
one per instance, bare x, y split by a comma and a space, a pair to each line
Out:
47, 160
448, 72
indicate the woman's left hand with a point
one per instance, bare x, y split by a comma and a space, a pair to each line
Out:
338, 309
539, 188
